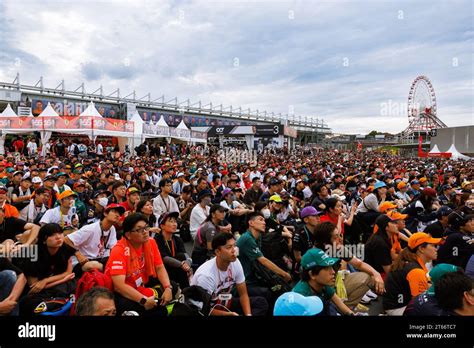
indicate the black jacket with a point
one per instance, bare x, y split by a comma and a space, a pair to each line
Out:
457, 248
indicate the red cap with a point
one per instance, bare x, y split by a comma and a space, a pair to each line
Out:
115, 206
429, 192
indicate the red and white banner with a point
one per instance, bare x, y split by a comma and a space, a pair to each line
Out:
53, 123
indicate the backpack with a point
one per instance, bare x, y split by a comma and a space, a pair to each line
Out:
196, 301
55, 306
274, 246
268, 279
89, 280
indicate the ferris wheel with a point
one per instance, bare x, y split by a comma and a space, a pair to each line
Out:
422, 98
422, 109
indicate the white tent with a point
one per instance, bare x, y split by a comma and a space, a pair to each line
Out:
456, 155
49, 111
90, 111
47, 128
8, 112
158, 130
435, 149
138, 136
161, 122
182, 125
181, 132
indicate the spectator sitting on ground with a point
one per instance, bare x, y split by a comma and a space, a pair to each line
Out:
304, 237
64, 214
318, 277
13, 230
408, 275
455, 294
12, 283
438, 228
134, 281
51, 274
403, 233
97, 301
202, 250
249, 253
357, 284
383, 246
200, 212
458, 247
10, 210
426, 303
223, 277
37, 205
172, 250
133, 197
94, 242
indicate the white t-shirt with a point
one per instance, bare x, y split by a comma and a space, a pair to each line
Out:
307, 192
197, 218
232, 206
65, 188
164, 205
55, 216
89, 242
47, 148
32, 147
215, 281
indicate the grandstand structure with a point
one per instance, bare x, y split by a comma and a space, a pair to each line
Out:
309, 129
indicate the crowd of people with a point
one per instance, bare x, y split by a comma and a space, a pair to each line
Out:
157, 233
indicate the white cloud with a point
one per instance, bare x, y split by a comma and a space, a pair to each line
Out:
262, 55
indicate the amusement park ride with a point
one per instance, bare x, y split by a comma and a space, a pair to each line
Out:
422, 119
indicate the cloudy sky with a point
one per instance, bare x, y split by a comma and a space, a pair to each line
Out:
348, 62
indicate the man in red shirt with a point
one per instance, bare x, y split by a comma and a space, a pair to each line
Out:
139, 277
133, 197
19, 145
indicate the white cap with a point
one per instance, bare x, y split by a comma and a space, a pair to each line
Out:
117, 177
36, 180
180, 175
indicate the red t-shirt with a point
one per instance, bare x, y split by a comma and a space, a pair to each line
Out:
326, 217
18, 145
117, 264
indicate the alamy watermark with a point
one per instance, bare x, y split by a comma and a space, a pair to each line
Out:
20, 252
347, 251
231, 155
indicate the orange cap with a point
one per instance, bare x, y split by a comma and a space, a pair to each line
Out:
401, 185
386, 206
419, 238
396, 215
66, 194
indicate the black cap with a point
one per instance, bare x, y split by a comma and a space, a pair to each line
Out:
457, 219
203, 194
382, 221
446, 187
443, 211
217, 207
274, 181
166, 216
50, 177
98, 193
